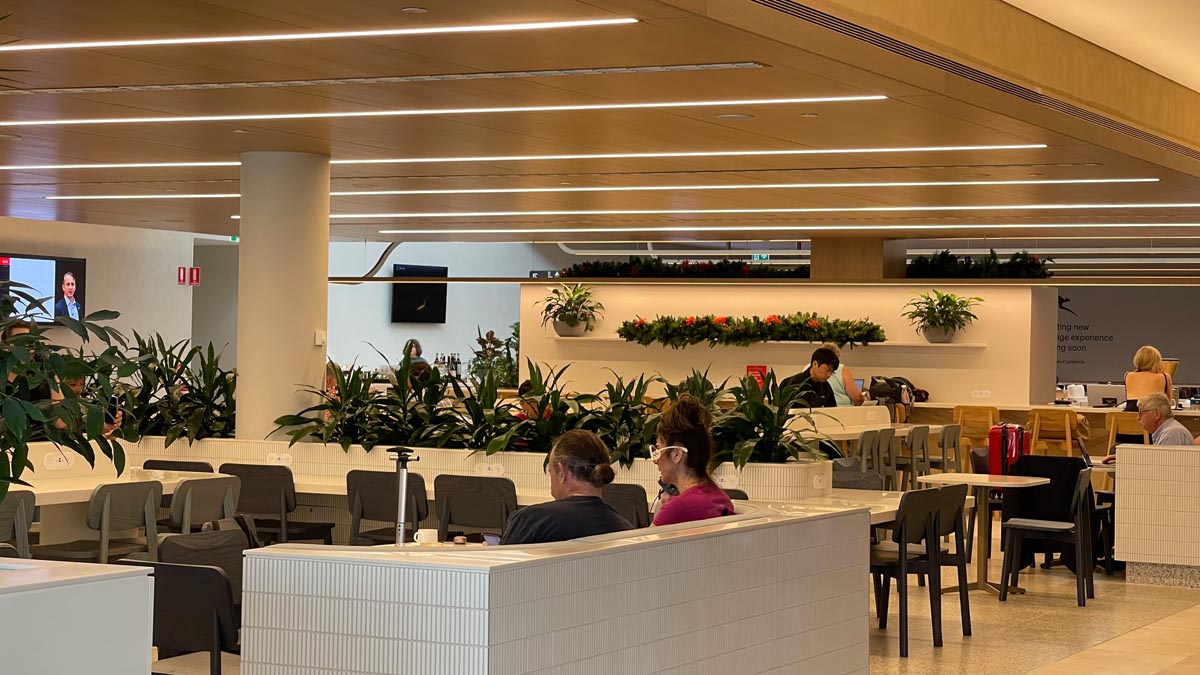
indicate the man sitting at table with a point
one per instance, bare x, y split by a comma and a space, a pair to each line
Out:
814, 382
1155, 416
579, 466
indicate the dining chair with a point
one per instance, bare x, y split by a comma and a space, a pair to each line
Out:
199, 501
175, 465
1076, 531
975, 422
16, 518
914, 549
629, 500
113, 507
884, 458
270, 489
1054, 428
916, 463
1123, 424
480, 502
372, 495
736, 494
949, 443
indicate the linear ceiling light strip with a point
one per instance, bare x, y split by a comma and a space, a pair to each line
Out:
283, 37
793, 228
635, 188
653, 105
832, 209
390, 79
529, 158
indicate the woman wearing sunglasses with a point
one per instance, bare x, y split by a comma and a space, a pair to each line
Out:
682, 453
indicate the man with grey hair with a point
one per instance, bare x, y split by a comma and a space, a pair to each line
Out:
1155, 416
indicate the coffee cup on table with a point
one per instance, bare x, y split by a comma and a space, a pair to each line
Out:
426, 537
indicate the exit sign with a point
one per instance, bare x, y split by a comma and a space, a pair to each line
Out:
760, 257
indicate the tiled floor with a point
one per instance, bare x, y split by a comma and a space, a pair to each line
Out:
1127, 629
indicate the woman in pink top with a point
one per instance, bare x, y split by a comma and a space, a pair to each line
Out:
682, 454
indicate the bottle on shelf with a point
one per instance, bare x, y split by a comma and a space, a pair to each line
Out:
439, 364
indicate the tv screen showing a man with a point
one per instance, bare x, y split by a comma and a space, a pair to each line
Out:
70, 302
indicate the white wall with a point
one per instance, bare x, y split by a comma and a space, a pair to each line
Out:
129, 270
361, 314
214, 302
1007, 353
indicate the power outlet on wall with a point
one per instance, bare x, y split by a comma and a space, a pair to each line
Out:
489, 469
58, 461
981, 393
279, 459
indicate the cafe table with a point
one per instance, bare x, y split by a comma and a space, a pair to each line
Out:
982, 483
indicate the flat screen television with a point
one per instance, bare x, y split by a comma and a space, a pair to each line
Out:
62, 281
419, 303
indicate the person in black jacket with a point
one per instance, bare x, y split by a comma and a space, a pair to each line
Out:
579, 467
814, 381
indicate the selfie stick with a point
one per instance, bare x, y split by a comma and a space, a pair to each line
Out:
403, 457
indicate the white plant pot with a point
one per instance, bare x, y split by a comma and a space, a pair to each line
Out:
937, 335
565, 330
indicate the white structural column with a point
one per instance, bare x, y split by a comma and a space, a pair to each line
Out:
283, 288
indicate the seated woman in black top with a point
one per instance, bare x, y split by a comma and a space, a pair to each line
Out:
579, 468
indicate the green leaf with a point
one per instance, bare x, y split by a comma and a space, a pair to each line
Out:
15, 418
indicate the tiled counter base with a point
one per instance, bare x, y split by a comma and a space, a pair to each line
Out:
752, 594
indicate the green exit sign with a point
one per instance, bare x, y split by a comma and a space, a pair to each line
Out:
234, 238
757, 257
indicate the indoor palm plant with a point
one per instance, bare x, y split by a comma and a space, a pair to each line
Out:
938, 316
758, 428
571, 309
181, 391
36, 366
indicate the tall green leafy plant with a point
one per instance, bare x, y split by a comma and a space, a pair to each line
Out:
548, 413
346, 414
759, 427
497, 356
181, 391
37, 368
622, 422
418, 411
572, 305
482, 413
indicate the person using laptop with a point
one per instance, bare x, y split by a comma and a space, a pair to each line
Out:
846, 389
1155, 416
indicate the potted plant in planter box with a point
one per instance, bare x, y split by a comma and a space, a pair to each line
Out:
571, 309
938, 316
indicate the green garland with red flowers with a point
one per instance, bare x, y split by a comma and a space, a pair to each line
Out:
678, 332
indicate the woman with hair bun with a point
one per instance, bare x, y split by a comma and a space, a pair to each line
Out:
683, 453
579, 467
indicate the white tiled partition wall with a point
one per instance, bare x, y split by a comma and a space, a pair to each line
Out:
1156, 526
747, 595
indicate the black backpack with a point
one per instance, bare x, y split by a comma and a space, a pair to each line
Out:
891, 390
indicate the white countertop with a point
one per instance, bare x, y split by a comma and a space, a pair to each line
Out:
1186, 412
27, 575
983, 480
74, 489
486, 558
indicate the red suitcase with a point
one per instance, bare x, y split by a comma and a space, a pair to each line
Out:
1006, 442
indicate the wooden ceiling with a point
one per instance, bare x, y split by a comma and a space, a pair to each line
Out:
153, 81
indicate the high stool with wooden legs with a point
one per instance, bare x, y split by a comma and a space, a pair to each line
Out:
1055, 427
975, 421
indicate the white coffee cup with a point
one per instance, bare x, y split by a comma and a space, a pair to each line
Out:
426, 537
1185, 403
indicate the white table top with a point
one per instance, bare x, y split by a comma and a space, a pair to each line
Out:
983, 479
1084, 410
851, 433
77, 489
27, 575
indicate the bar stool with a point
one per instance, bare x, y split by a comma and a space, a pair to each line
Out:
975, 422
1054, 427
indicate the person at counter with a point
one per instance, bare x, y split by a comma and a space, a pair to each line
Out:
1155, 416
579, 467
814, 381
413, 350
1149, 377
845, 390
683, 453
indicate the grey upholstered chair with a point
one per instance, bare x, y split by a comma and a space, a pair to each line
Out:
16, 517
371, 495
113, 507
269, 489
629, 500
202, 500
473, 501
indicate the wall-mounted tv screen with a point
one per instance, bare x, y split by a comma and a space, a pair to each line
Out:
63, 281
419, 303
